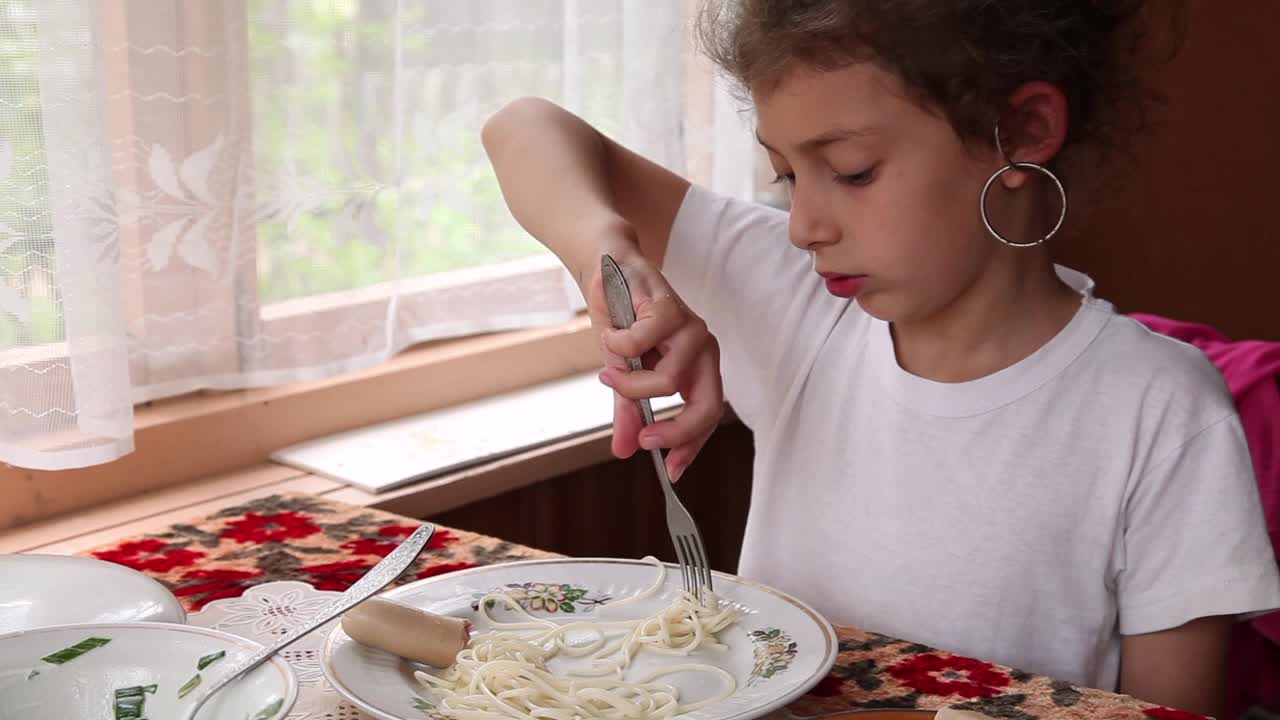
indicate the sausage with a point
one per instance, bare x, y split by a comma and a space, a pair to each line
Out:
410, 633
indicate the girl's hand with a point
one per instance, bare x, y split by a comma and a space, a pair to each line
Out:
679, 355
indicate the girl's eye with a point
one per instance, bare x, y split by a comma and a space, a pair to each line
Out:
856, 179
787, 178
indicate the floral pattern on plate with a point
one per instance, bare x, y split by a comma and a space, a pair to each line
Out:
547, 597
773, 650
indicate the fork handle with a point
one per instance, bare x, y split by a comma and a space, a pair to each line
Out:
646, 407
660, 464
646, 416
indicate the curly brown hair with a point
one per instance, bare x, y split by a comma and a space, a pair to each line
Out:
961, 57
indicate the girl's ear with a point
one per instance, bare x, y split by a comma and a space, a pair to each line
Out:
1033, 128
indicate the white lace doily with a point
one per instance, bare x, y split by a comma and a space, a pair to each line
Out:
267, 611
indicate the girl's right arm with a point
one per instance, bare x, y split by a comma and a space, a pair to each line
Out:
577, 191
583, 195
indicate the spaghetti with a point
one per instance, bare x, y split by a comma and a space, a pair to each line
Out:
503, 673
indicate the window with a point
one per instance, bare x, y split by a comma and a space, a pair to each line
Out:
235, 194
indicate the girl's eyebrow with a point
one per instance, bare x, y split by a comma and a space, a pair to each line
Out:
824, 138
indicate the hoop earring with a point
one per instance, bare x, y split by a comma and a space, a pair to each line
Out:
1011, 165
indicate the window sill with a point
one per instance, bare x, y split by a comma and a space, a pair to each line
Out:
154, 511
184, 441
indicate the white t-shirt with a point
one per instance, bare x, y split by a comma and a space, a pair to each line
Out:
1100, 487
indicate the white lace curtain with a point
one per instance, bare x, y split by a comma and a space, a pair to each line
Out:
219, 194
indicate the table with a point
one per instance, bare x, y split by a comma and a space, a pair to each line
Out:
255, 569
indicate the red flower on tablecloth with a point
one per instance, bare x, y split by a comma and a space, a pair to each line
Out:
205, 586
383, 548
369, 546
277, 527
442, 568
1164, 713
149, 556
441, 539
337, 576
934, 674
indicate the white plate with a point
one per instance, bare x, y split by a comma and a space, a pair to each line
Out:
137, 654
775, 631
43, 590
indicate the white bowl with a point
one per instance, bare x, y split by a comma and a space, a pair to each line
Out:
136, 655
43, 590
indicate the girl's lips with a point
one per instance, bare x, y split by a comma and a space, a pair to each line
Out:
845, 286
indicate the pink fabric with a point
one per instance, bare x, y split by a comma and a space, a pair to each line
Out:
1251, 369
1252, 672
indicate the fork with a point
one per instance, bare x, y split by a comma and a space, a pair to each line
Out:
690, 551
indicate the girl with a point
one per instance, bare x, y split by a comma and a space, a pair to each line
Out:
957, 442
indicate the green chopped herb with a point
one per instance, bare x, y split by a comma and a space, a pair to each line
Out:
75, 651
270, 711
210, 659
131, 701
190, 685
